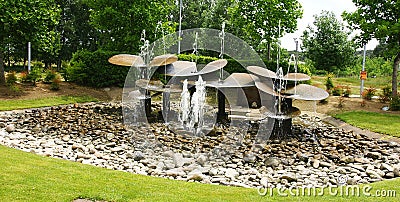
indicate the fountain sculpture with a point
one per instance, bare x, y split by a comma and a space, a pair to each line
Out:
266, 95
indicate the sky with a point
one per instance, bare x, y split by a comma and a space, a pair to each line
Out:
315, 7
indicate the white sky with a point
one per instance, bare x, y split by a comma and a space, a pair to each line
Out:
313, 7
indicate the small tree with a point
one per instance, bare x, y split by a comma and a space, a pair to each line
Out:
380, 20
327, 45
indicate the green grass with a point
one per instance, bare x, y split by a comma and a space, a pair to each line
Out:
354, 82
43, 102
378, 122
29, 177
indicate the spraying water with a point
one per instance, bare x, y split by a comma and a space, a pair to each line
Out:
197, 105
185, 104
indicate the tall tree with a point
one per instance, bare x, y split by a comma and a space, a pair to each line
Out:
22, 21
380, 20
326, 44
257, 21
120, 23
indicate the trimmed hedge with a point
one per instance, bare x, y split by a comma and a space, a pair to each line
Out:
93, 69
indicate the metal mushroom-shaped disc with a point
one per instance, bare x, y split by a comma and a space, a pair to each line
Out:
162, 60
260, 71
126, 60
296, 77
235, 80
213, 66
181, 68
307, 92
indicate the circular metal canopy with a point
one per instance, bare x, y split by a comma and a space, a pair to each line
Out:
260, 71
296, 77
162, 60
180, 68
213, 66
235, 80
307, 92
126, 60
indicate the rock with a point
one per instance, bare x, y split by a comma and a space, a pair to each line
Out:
396, 171
175, 172
271, 162
374, 155
117, 149
65, 138
358, 167
316, 163
249, 158
231, 173
385, 166
196, 177
10, 128
290, 177
361, 160
201, 160
325, 164
347, 159
373, 174
389, 175
138, 155
264, 182
178, 159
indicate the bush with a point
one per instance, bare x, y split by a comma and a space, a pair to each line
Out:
368, 93
93, 69
328, 82
23, 76
346, 91
395, 104
49, 76
386, 94
11, 78
337, 91
35, 75
55, 83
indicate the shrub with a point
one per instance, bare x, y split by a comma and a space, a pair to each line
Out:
55, 83
23, 76
11, 78
337, 91
328, 82
395, 104
346, 91
49, 76
93, 69
386, 94
368, 93
35, 75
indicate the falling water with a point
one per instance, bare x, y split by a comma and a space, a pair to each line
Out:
197, 106
221, 55
185, 104
293, 60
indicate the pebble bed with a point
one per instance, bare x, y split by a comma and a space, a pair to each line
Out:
94, 134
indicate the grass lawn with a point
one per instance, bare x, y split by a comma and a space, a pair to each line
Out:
29, 177
354, 82
378, 122
43, 102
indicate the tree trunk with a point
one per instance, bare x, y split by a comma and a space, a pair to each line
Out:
269, 51
2, 73
394, 75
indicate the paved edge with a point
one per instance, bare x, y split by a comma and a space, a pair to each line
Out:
347, 127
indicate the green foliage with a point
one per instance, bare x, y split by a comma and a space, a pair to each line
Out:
368, 93
35, 74
257, 22
328, 82
49, 76
121, 22
93, 69
327, 44
55, 82
23, 21
379, 20
395, 104
337, 91
11, 78
385, 95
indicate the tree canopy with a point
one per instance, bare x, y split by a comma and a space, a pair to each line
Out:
327, 44
380, 20
24, 21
